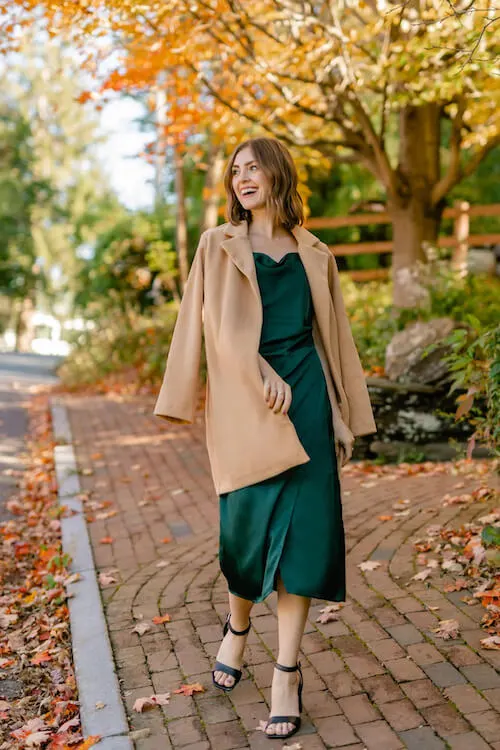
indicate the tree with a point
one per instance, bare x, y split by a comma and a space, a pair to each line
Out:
52, 193
336, 80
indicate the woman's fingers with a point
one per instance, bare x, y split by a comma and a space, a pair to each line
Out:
277, 395
280, 399
288, 400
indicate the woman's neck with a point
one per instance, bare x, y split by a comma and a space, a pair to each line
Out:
262, 225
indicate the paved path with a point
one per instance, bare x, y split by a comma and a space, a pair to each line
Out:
376, 678
19, 373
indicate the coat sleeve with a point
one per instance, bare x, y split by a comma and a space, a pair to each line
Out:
361, 421
178, 394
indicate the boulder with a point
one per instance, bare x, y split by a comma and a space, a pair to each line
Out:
405, 360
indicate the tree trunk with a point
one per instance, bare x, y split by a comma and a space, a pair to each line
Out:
213, 177
181, 222
415, 219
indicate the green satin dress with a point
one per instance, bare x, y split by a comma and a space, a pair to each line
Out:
290, 524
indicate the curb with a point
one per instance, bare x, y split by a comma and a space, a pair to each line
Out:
92, 655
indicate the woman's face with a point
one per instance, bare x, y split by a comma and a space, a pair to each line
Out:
249, 181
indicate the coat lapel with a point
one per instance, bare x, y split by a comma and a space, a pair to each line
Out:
314, 260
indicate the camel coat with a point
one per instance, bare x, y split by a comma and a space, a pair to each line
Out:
247, 442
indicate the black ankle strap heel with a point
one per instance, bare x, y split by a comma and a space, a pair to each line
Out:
220, 667
295, 720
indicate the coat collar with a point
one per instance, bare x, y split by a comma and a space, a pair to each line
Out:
314, 259
238, 246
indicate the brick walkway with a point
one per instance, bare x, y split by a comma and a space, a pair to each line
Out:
376, 678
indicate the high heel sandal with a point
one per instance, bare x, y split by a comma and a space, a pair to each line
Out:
295, 720
220, 667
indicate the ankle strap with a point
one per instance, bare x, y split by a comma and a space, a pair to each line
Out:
239, 632
287, 669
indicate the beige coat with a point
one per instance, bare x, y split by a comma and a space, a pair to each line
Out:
247, 442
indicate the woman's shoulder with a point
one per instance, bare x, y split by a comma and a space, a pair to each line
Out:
217, 234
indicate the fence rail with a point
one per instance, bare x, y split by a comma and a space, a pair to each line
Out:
459, 241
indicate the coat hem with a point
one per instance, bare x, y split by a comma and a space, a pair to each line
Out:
221, 488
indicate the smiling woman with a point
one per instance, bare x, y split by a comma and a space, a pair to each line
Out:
285, 396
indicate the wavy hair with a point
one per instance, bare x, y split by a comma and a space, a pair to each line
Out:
283, 200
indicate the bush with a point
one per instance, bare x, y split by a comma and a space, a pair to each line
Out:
120, 346
475, 366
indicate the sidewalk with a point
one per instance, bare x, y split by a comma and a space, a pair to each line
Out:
377, 677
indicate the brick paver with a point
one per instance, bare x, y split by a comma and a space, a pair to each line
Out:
377, 677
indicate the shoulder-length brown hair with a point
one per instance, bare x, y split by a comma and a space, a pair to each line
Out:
277, 164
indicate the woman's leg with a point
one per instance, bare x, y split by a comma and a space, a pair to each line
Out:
292, 616
232, 646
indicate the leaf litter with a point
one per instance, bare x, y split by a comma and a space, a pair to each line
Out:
35, 645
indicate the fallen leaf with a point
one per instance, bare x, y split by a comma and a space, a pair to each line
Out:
89, 742
159, 619
141, 628
139, 734
36, 739
329, 614
166, 540
369, 565
385, 518
106, 580
195, 687
99, 705
106, 540
422, 575
447, 629
41, 658
161, 699
493, 642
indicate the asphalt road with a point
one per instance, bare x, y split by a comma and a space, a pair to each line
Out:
19, 375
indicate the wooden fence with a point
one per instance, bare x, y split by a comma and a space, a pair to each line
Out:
459, 241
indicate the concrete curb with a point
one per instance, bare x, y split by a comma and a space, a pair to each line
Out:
92, 655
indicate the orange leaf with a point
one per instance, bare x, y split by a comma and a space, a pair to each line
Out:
106, 540
385, 518
40, 658
89, 742
166, 540
159, 619
190, 689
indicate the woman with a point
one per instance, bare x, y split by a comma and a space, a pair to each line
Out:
286, 395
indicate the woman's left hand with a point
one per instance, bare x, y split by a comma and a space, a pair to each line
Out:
344, 442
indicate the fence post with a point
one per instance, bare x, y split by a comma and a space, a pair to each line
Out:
461, 234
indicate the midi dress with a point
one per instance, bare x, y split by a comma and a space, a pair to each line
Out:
290, 524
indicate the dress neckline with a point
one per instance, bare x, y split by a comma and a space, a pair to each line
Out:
277, 262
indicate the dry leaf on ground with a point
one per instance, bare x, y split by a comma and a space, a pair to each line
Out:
141, 628
447, 629
106, 540
106, 580
329, 614
369, 565
493, 642
159, 619
422, 575
158, 699
195, 687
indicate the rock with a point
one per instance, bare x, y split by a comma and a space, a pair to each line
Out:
405, 360
10, 689
402, 451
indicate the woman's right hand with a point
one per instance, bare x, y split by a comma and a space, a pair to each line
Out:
277, 392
